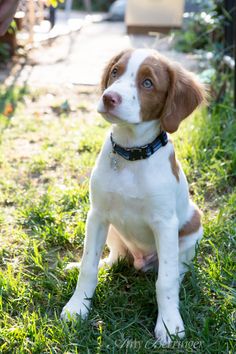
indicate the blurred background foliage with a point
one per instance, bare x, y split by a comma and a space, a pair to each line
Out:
54, 3
204, 33
97, 5
202, 30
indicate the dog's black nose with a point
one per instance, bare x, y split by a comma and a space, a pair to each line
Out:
111, 100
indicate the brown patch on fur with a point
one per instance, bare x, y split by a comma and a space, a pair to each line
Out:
119, 61
185, 94
192, 225
175, 94
174, 166
152, 100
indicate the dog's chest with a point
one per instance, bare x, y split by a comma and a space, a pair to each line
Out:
123, 183
125, 193
122, 200
131, 196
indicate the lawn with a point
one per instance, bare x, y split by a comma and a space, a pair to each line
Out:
48, 145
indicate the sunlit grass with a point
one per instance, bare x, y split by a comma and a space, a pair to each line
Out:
43, 207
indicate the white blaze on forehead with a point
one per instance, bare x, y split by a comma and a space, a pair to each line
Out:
136, 59
125, 86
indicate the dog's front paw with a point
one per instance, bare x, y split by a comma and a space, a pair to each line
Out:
75, 307
168, 325
105, 263
73, 265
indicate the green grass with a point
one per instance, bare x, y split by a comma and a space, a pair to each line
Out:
44, 173
9, 99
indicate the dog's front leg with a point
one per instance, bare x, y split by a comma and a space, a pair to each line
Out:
96, 233
169, 320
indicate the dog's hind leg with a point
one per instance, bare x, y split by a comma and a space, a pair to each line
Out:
187, 248
117, 248
73, 265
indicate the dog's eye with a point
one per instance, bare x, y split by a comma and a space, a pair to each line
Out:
114, 72
147, 83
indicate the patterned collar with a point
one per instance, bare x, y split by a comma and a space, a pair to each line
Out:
142, 152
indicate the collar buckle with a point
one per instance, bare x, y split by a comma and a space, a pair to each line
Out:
138, 154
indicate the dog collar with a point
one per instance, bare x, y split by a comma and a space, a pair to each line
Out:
142, 152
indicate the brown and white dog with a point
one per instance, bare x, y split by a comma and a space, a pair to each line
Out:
141, 208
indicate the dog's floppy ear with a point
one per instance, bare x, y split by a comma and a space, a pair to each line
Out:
107, 69
185, 94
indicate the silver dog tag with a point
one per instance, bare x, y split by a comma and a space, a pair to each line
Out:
114, 161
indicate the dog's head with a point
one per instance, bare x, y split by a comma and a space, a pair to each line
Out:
142, 85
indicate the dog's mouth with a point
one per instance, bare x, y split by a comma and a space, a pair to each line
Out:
110, 117
108, 113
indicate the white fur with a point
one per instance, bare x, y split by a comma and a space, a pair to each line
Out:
143, 206
129, 110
